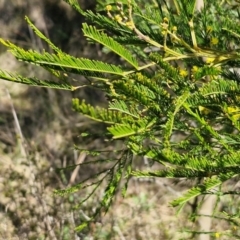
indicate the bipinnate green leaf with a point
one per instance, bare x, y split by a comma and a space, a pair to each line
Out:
75, 5
42, 36
121, 106
202, 188
64, 62
99, 114
179, 102
127, 130
34, 81
188, 6
100, 37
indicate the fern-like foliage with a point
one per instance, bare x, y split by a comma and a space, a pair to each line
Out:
109, 116
64, 62
176, 76
34, 81
92, 33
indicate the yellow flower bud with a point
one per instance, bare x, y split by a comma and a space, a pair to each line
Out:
209, 29
165, 20
217, 235
108, 8
214, 41
118, 18
194, 69
130, 24
183, 72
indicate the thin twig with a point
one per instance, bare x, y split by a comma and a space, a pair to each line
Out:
80, 160
18, 128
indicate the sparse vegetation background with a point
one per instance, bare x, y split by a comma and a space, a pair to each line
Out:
186, 129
